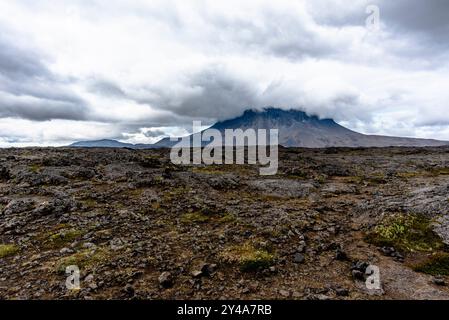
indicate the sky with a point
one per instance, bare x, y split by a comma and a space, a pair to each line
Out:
137, 70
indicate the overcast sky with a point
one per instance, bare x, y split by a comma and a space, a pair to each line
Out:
137, 70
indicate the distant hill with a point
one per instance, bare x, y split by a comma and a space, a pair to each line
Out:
107, 143
296, 129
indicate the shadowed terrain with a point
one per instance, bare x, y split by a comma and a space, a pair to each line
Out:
139, 227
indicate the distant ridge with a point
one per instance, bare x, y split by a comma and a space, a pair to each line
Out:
105, 143
296, 129
108, 143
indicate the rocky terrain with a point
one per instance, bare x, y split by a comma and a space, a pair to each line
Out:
139, 227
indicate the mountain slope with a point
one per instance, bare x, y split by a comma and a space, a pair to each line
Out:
107, 143
297, 129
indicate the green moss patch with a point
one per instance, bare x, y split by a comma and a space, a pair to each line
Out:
175, 193
204, 216
84, 259
440, 171
223, 169
377, 179
195, 217
247, 257
436, 265
409, 175
89, 203
58, 237
7, 250
227, 218
62, 238
408, 233
353, 179
35, 168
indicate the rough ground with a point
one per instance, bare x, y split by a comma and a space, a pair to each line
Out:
139, 227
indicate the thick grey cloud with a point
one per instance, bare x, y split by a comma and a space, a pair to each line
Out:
38, 109
18, 64
210, 93
283, 33
419, 28
422, 25
29, 90
216, 93
428, 18
107, 88
136, 65
154, 133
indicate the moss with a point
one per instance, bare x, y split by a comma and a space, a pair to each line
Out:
409, 175
84, 259
155, 207
60, 239
248, 257
195, 217
377, 179
436, 265
35, 168
227, 218
151, 261
205, 216
407, 233
321, 179
270, 198
134, 193
105, 233
89, 203
158, 180
223, 169
175, 193
354, 179
440, 172
7, 250
433, 172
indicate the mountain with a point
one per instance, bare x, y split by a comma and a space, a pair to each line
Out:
107, 143
296, 129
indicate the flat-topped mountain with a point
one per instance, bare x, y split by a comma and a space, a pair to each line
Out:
296, 129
